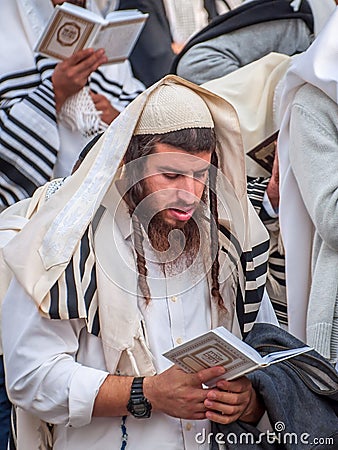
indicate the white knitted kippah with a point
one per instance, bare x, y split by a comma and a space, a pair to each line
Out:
173, 107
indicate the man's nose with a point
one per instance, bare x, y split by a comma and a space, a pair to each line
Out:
187, 190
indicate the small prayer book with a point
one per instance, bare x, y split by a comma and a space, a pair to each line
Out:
219, 347
72, 28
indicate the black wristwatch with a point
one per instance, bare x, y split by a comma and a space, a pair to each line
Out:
138, 405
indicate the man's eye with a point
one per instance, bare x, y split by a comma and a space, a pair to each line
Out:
171, 175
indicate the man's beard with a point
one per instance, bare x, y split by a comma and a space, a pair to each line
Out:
177, 248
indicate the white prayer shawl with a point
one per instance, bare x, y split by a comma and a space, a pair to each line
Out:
55, 232
317, 66
35, 145
12, 220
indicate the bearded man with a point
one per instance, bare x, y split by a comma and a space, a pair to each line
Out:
151, 242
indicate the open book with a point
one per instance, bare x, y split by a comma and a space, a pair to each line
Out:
72, 28
219, 347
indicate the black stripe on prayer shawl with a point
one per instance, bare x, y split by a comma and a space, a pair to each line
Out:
252, 275
67, 292
99, 83
247, 308
85, 250
37, 139
24, 80
95, 329
240, 309
234, 241
256, 189
92, 288
261, 248
72, 306
40, 106
253, 296
12, 174
28, 158
54, 303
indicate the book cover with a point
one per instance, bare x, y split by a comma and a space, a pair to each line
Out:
219, 347
264, 153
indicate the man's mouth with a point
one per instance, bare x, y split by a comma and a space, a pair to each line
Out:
181, 214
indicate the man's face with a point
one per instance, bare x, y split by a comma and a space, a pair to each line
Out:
174, 183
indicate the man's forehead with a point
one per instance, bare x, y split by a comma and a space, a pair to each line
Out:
167, 155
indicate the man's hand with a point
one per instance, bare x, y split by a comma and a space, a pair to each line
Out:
179, 394
102, 104
233, 400
71, 75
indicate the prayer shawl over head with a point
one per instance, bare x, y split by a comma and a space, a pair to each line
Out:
255, 107
40, 254
36, 144
318, 66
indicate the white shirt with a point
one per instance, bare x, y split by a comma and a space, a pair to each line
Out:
55, 367
41, 353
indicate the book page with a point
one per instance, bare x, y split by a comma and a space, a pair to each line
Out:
118, 39
284, 354
233, 340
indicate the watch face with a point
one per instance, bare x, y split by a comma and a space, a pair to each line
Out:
139, 408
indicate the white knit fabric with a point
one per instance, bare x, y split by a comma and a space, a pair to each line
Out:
79, 113
162, 113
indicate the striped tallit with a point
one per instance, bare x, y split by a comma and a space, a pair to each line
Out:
35, 144
29, 138
75, 293
276, 285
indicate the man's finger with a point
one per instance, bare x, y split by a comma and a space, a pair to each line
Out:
81, 55
206, 375
236, 386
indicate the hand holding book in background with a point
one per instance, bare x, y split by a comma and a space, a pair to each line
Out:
72, 28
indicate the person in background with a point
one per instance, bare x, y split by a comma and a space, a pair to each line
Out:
170, 24
171, 166
49, 109
307, 148
250, 32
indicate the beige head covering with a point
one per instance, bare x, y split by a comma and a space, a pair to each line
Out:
40, 253
173, 107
